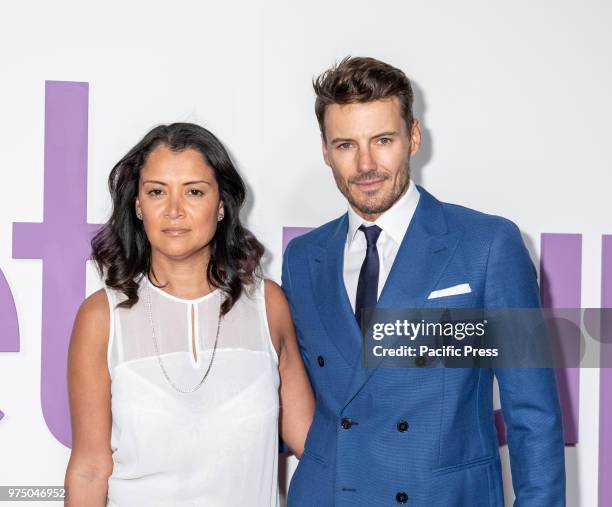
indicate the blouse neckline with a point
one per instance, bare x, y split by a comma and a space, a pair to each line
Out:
178, 299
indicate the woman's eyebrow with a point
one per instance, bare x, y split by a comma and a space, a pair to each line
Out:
197, 181
186, 183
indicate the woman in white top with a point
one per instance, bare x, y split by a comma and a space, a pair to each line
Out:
176, 367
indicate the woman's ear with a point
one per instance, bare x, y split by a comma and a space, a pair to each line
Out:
221, 212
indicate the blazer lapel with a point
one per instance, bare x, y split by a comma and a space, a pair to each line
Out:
333, 305
421, 259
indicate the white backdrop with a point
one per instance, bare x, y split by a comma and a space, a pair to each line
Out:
514, 99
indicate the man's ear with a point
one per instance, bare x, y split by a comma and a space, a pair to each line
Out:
415, 137
325, 150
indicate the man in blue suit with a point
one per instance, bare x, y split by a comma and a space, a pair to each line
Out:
418, 436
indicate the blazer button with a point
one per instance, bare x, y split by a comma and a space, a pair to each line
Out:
346, 423
420, 361
401, 497
402, 426
321, 361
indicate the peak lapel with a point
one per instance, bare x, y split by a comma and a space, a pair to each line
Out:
332, 302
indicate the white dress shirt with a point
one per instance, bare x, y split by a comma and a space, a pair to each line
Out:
394, 223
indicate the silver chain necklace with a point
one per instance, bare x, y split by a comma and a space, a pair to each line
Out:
161, 363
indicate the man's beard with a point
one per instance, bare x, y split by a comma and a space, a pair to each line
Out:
376, 205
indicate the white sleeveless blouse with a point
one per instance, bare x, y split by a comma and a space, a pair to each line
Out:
217, 446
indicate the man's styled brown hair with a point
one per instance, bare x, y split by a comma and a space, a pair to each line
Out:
361, 79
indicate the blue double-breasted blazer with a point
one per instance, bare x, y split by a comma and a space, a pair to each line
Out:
420, 436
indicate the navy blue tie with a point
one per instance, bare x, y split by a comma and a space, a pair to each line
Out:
367, 287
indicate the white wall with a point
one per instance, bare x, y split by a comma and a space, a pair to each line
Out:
513, 96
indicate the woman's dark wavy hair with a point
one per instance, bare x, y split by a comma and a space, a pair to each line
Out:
121, 249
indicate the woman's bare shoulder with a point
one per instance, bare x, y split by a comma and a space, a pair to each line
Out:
92, 322
273, 291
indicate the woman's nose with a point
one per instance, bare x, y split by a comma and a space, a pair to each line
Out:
174, 209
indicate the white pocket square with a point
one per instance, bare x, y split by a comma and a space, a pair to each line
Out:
462, 288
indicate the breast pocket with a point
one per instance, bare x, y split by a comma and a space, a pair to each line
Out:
455, 301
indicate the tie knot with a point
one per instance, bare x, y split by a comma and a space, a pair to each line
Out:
371, 234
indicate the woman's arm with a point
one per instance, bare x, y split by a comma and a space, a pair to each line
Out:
91, 461
296, 398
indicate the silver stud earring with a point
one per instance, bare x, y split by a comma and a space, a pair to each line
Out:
220, 217
139, 214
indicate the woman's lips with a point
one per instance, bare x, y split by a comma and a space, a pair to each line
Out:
175, 231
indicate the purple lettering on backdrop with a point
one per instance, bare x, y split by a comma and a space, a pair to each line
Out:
9, 337
560, 286
500, 426
61, 241
605, 380
293, 232
9, 325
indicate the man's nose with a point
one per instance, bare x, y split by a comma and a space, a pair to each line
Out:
366, 161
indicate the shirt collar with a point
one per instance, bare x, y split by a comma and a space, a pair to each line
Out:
394, 222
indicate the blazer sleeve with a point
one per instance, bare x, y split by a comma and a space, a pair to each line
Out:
286, 282
293, 299
529, 397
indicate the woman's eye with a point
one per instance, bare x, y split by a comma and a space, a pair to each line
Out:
195, 191
154, 192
